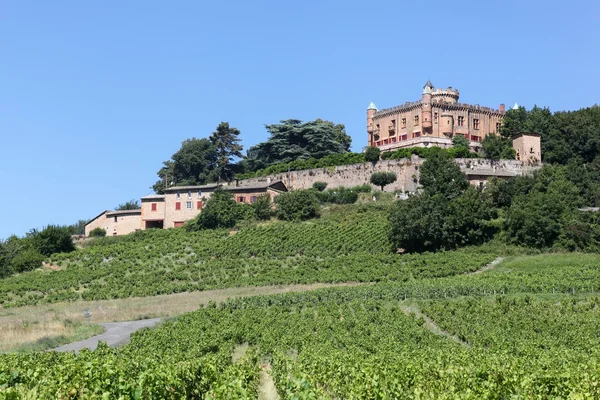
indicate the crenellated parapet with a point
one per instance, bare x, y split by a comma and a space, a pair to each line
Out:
408, 106
448, 95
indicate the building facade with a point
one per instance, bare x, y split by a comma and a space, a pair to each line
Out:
178, 205
431, 121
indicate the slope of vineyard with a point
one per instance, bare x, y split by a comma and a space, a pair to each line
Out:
355, 343
348, 245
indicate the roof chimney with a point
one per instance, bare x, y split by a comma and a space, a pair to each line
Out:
502, 107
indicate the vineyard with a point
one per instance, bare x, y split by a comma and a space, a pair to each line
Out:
358, 343
348, 246
424, 327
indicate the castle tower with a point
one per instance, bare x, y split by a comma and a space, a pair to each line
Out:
371, 110
426, 115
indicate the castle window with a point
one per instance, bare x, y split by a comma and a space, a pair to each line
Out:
188, 205
116, 218
475, 123
178, 205
498, 126
153, 206
435, 115
416, 120
199, 205
404, 122
461, 120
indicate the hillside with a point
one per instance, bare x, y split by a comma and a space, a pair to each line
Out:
348, 244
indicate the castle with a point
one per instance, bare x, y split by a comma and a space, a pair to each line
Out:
432, 121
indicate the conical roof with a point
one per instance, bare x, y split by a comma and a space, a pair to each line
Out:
516, 106
372, 106
428, 84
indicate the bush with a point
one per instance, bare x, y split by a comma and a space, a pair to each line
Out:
364, 188
53, 239
372, 154
97, 232
297, 205
27, 260
262, 207
221, 211
339, 195
320, 186
440, 174
383, 178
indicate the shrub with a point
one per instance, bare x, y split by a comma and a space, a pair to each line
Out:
262, 207
383, 178
97, 232
221, 211
53, 239
297, 205
27, 260
364, 188
320, 186
372, 154
339, 195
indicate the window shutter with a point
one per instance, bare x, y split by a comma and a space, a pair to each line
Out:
153, 206
199, 205
178, 205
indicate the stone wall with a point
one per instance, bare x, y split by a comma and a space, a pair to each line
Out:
406, 169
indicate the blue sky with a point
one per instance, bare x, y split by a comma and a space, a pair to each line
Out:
95, 95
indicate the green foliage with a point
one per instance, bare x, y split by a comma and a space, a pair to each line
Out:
262, 207
297, 205
301, 164
359, 342
372, 154
497, 147
226, 143
97, 232
320, 186
52, 239
439, 174
130, 205
340, 195
193, 164
78, 228
364, 188
220, 211
294, 140
26, 260
383, 178
426, 152
460, 141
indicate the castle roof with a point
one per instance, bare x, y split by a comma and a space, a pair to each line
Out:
372, 106
516, 106
428, 84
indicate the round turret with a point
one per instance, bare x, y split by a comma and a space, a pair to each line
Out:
426, 114
371, 110
447, 124
445, 95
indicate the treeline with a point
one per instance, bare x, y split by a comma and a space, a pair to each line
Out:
27, 253
538, 211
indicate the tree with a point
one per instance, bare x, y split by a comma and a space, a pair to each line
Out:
297, 205
417, 223
496, 147
193, 164
221, 211
293, 140
262, 207
440, 174
130, 205
372, 154
383, 178
227, 146
78, 228
460, 141
513, 122
52, 239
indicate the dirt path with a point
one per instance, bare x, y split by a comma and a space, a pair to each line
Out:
431, 325
266, 385
487, 267
117, 333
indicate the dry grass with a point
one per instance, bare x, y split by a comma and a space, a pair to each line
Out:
24, 325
